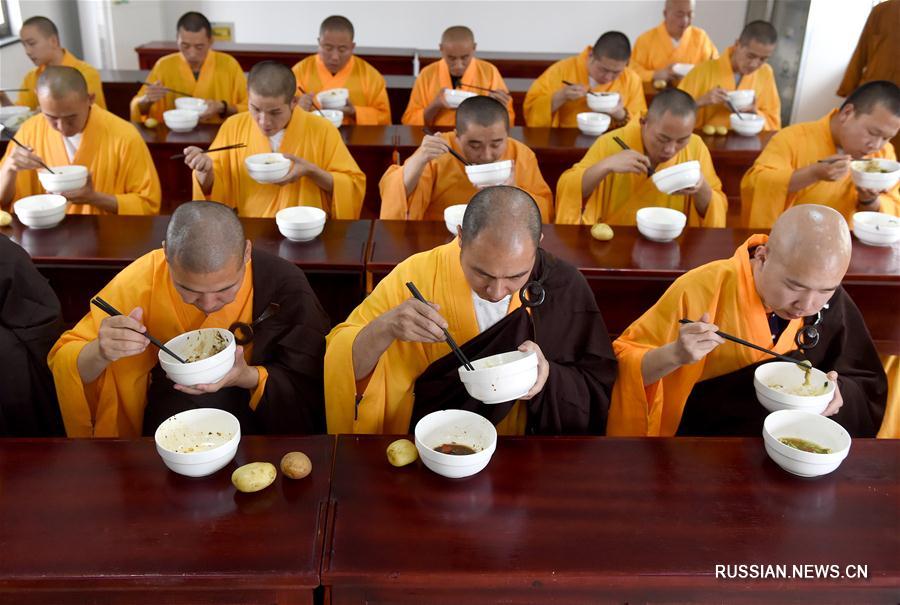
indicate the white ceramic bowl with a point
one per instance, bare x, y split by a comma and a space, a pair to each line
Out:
181, 120
455, 426
336, 117
267, 167
876, 228
300, 223
191, 104
677, 177
197, 443
660, 224
592, 123
455, 97
487, 175
741, 99
809, 426
500, 378
203, 371
333, 98
602, 101
875, 180
682, 69
453, 217
789, 375
64, 178
751, 124
12, 116
41, 211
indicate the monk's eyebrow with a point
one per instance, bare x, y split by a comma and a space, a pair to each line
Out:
183, 287
488, 275
797, 284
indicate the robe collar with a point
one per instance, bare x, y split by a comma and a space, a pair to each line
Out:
469, 76
201, 86
664, 34
338, 80
259, 142
192, 318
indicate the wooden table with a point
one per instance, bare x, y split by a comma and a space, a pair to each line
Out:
104, 521
604, 520
629, 273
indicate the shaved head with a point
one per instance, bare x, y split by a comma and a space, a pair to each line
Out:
680, 4
43, 25
614, 45
878, 92
761, 31
337, 23
457, 33
503, 214
272, 80
194, 22
60, 81
674, 101
481, 110
205, 237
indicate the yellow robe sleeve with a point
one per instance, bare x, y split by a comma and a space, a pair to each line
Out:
238, 96
143, 194
349, 181
395, 204
377, 110
418, 100
154, 75
764, 188
890, 425
95, 86
221, 190
717, 211
529, 178
569, 203
539, 98
497, 83
768, 103
633, 96
642, 56
28, 97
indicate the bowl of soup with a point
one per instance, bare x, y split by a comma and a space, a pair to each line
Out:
181, 120
301, 223
677, 177
602, 101
488, 175
333, 98
267, 167
592, 123
454, 97
198, 442
455, 443
209, 353
41, 211
500, 378
747, 124
63, 178
741, 99
805, 443
191, 104
782, 385
875, 173
453, 217
876, 228
660, 224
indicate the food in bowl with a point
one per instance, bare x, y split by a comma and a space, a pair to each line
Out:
803, 390
804, 445
869, 166
875, 173
198, 442
204, 345
190, 441
455, 449
788, 433
876, 228
500, 378
459, 427
207, 361
782, 385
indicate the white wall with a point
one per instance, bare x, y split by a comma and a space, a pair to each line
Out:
64, 13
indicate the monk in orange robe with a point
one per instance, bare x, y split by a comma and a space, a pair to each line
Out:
560, 93
433, 179
687, 380
458, 68
335, 66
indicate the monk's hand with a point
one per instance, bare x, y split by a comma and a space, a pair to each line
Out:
666, 73
213, 110
155, 92
415, 321
837, 401
349, 109
197, 160
305, 102
240, 375
543, 368
868, 199
695, 189
122, 336
22, 158
618, 112
439, 101
299, 169
500, 95
716, 96
84, 195
696, 340
627, 161
432, 147
833, 168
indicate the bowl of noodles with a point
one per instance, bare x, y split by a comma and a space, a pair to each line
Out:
209, 353
781, 385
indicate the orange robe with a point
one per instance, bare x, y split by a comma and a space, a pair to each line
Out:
91, 76
877, 54
436, 76
444, 183
890, 426
618, 197
538, 100
368, 92
654, 49
114, 153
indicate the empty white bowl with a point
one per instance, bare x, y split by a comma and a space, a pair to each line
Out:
455, 97
191, 104
741, 98
592, 123
197, 443
816, 428
660, 224
682, 69
790, 376
876, 228
500, 378
488, 175
453, 217
751, 124
181, 120
460, 427
333, 98
64, 178
677, 177
206, 370
602, 101
12, 116
300, 223
875, 180
41, 211
336, 117
267, 167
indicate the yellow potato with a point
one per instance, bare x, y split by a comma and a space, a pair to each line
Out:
296, 465
402, 452
709, 129
659, 84
254, 476
602, 232
722, 130
151, 123
5, 218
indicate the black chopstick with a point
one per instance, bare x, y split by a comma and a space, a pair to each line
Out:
172, 90
15, 90
29, 149
477, 87
313, 101
590, 92
465, 162
624, 146
462, 356
110, 310
180, 156
734, 109
804, 364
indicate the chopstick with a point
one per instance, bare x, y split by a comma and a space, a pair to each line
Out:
590, 92
804, 364
172, 90
624, 146
462, 356
465, 162
313, 101
733, 109
476, 87
111, 311
26, 148
15, 89
180, 156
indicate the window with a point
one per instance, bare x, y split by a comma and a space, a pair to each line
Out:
5, 29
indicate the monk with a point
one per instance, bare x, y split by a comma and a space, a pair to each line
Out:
30, 322
335, 66
40, 38
741, 67
495, 290
73, 130
206, 275
610, 184
197, 70
323, 173
809, 163
560, 94
458, 68
432, 179
675, 40
687, 380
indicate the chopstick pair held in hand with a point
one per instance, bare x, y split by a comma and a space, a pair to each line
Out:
112, 312
459, 354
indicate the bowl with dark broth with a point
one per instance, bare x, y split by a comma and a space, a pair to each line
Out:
455, 443
805, 443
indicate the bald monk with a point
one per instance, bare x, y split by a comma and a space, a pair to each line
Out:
72, 130
195, 69
610, 184
206, 275
458, 68
560, 93
687, 380
741, 67
391, 351
675, 40
809, 163
30, 322
335, 66
432, 179
323, 173
40, 39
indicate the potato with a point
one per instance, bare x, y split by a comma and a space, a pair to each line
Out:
151, 123
296, 465
602, 232
402, 452
659, 84
5, 218
254, 476
709, 129
722, 130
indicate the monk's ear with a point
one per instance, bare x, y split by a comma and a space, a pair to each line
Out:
761, 253
294, 100
91, 98
846, 112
